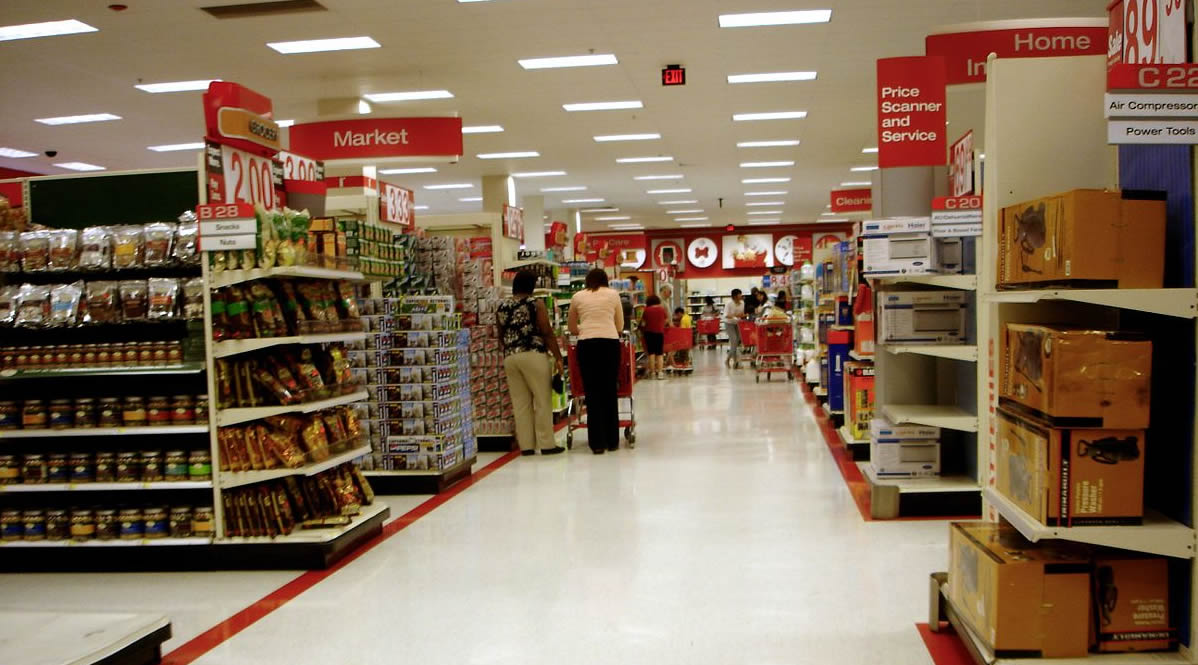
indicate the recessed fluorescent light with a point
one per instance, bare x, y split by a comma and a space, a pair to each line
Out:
538, 174
765, 222
675, 203
765, 203
764, 165
77, 119
569, 61
626, 137
408, 96
173, 147
643, 160
595, 210
828, 214
577, 188
604, 106
771, 77
856, 183
678, 176
669, 191
456, 185
13, 153
768, 144
625, 227
770, 115
684, 212
471, 199
482, 129
756, 19
862, 169
764, 212
79, 166
766, 193
841, 219
418, 169
869, 151
612, 218
284, 123
762, 181
320, 45
45, 29
693, 226
509, 155
582, 200
175, 86
420, 207
363, 107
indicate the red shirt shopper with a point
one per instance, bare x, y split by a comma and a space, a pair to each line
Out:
653, 331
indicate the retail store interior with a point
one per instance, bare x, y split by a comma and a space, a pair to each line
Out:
282, 284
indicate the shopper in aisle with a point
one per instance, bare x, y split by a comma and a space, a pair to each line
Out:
596, 318
782, 301
734, 312
710, 312
653, 333
750, 303
525, 336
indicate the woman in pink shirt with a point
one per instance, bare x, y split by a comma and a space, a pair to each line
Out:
596, 318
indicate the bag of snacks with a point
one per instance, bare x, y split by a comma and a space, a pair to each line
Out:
33, 306
10, 251
315, 439
300, 223
159, 239
95, 248
64, 304
283, 448
276, 387
163, 295
187, 236
127, 246
267, 319
238, 316
193, 300
63, 243
35, 251
134, 299
8, 303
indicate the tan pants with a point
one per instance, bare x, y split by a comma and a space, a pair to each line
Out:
528, 380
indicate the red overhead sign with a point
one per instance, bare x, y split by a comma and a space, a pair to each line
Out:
852, 200
513, 222
397, 205
378, 138
965, 52
236, 116
1146, 31
957, 203
960, 165
911, 111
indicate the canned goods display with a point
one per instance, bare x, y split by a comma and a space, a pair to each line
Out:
91, 412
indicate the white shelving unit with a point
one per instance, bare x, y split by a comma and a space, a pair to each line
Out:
230, 277
226, 417
928, 485
960, 282
231, 479
966, 352
233, 347
932, 415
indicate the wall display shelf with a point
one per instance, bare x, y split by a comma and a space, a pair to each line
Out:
960, 282
87, 544
933, 415
82, 638
232, 347
244, 415
55, 373
225, 278
239, 478
168, 485
1181, 303
890, 498
101, 431
965, 352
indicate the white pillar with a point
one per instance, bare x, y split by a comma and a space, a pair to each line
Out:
534, 222
496, 193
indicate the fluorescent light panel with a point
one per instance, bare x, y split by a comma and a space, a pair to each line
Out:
577, 188
841, 219
676, 203
457, 185
284, 123
509, 155
770, 115
44, 29
482, 129
765, 165
765, 222
764, 212
471, 199
175, 147
669, 191
765, 203
604, 106
538, 174
626, 227
321, 45
569, 61
408, 96
771, 77
768, 144
175, 86
79, 166
13, 153
595, 210
363, 107
420, 207
766, 193
693, 226
869, 151
757, 19
626, 137
677, 176
643, 160
418, 169
78, 119
612, 218
583, 200
856, 183
762, 181
862, 169
684, 212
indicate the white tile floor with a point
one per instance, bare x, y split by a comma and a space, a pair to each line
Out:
727, 536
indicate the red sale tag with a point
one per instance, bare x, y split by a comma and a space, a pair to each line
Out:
206, 211
1152, 77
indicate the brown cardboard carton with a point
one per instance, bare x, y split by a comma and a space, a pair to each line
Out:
1078, 378
1022, 599
1070, 477
1131, 602
1088, 237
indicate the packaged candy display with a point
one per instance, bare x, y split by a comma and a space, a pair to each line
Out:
92, 356
85, 303
292, 375
101, 248
269, 308
103, 467
83, 413
277, 508
382, 251
289, 441
282, 241
87, 524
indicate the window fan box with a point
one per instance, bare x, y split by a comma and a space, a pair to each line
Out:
887, 432
922, 317
904, 459
901, 254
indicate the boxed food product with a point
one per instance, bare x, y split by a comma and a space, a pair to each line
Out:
1074, 378
904, 459
859, 398
1098, 237
922, 317
1022, 599
1131, 602
1070, 477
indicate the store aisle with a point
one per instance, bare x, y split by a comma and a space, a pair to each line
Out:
726, 536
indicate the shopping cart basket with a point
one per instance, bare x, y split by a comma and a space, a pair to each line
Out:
678, 343
625, 380
774, 348
705, 327
748, 337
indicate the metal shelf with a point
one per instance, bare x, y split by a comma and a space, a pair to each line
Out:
948, 417
182, 368
312, 535
232, 347
109, 487
962, 282
230, 277
926, 485
235, 416
847, 438
829, 411
141, 542
238, 478
1182, 303
857, 356
966, 352
1157, 535
101, 431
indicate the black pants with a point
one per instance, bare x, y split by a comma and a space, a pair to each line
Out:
599, 360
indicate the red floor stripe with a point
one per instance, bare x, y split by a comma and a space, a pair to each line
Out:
858, 488
945, 647
218, 634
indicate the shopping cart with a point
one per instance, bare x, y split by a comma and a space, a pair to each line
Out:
774, 350
678, 343
706, 327
748, 338
625, 379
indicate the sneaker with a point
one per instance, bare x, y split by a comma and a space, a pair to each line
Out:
553, 451
661, 376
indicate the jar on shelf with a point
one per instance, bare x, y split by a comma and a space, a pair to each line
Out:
105, 467
107, 526
33, 469
33, 415
201, 409
109, 412
90, 352
12, 525
199, 465
103, 355
35, 525
61, 414
151, 466
156, 524
58, 468
133, 412
175, 465
158, 411
76, 355
145, 354
183, 410
174, 353
86, 414
83, 525
58, 524
180, 522
128, 466
10, 471
62, 356
203, 522
82, 468
10, 415
131, 525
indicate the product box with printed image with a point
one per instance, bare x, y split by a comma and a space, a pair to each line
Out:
1086, 237
885, 431
1078, 378
904, 459
901, 254
1022, 599
922, 317
858, 398
1070, 477
1131, 602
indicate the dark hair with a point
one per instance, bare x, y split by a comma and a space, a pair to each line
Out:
709, 300
679, 310
736, 292
782, 294
595, 279
524, 283
652, 300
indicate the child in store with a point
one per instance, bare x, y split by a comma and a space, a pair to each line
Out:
682, 320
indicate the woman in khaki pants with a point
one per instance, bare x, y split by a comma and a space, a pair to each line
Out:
525, 336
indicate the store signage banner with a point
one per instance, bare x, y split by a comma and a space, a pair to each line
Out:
702, 252
397, 205
616, 248
1146, 32
911, 112
955, 216
298, 167
960, 165
227, 226
965, 52
237, 116
555, 236
373, 138
237, 176
1153, 77
513, 222
754, 250
1152, 131
785, 250
667, 253
852, 200
1130, 105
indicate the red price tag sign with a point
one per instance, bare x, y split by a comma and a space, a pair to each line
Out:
1152, 77
207, 211
237, 176
397, 205
960, 166
298, 167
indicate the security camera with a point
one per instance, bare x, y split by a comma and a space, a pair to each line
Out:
51, 153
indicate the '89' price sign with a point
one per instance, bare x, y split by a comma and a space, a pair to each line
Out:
397, 205
237, 176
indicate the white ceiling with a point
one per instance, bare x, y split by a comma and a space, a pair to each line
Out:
471, 49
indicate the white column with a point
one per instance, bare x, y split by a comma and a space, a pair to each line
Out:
497, 190
534, 222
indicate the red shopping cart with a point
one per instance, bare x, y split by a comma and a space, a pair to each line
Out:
774, 350
707, 328
678, 343
748, 336
625, 379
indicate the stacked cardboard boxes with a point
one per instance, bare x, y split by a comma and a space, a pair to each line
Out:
903, 451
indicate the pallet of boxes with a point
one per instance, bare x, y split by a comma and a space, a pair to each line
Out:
493, 420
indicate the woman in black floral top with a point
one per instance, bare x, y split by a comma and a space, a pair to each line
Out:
525, 335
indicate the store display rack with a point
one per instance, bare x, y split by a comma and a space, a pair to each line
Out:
953, 495
82, 638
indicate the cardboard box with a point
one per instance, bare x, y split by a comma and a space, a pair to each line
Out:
1078, 378
901, 254
1070, 477
858, 398
1131, 602
884, 430
904, 459
922, 317
1022, 599
1099, 238
839, 343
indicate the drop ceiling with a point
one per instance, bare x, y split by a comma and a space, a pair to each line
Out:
471, 49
